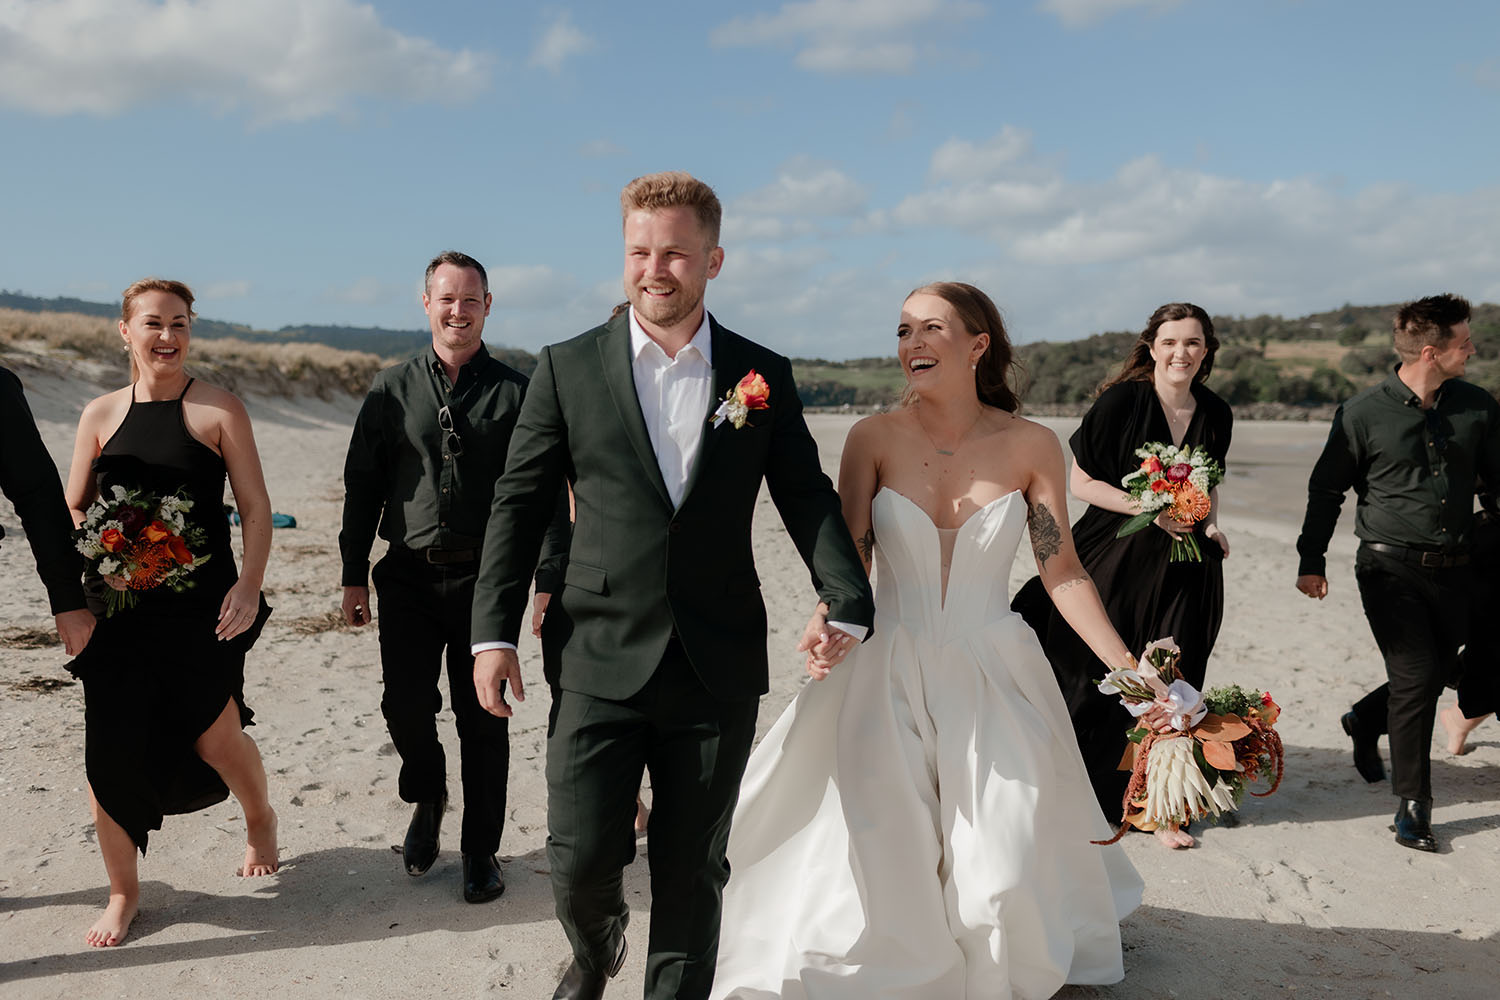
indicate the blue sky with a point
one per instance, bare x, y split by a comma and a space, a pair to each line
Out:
1081, 160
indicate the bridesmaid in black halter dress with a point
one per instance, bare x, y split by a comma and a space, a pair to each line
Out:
163, 680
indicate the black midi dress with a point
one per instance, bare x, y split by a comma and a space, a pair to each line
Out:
155, 677
1146, 595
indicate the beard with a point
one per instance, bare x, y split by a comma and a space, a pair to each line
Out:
681, 305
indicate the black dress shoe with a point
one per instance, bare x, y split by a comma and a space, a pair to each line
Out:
421, 847
1413, 826
1366, 749
579, 985
482, 881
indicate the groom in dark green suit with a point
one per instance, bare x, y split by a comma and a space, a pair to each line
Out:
665, 424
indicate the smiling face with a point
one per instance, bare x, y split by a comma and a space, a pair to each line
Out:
1452, 359
1178, 350
668, 264
157, 333
456, 305
937, 352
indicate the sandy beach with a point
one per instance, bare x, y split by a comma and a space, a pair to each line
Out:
1309, 895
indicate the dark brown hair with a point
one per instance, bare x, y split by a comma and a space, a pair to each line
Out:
674, 189
1427, 322
1139, 365
994, 371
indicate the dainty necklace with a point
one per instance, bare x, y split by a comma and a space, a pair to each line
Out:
957, 444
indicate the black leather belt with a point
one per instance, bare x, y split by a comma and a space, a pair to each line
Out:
441, 557
1422, 557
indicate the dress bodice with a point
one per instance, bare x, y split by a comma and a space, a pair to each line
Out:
909, 555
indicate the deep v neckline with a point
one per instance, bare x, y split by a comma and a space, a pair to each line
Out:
923, 511
1161, 408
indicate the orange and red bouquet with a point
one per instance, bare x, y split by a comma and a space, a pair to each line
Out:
1177, 480
136, 541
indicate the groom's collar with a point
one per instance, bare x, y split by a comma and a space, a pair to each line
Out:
702, 340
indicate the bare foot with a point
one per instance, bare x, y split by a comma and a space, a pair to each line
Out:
1457, 728
642, 816
1174, 837
260, 850
110, 929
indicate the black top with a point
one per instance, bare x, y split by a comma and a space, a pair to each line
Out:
153, 449
402, 472
29, 480
1412, 470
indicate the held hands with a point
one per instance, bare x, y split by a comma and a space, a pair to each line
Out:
74, 629
492, 669
1313, 585
356, 606
824, 645
238, 611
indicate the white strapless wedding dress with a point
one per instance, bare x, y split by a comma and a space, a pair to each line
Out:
918, 824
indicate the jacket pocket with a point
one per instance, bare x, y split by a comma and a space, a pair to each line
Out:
585, 577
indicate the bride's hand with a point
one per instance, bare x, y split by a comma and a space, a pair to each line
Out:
239, 609
824, 645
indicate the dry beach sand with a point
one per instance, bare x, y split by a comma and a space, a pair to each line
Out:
1309, 896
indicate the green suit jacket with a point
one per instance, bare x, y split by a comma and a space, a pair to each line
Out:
638, 570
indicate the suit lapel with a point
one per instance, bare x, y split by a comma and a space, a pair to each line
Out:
726, 374
614, 355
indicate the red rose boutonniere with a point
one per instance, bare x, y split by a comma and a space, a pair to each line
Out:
750, 393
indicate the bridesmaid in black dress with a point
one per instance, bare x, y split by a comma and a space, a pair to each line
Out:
163, 680
1159, 395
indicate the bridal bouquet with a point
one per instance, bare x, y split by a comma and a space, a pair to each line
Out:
1177, 480
1195, 753
137, 541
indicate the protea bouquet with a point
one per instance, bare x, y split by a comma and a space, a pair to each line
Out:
1193, 755
138, 541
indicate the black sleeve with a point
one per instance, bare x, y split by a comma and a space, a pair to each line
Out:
365, 476
1107, 434
29, 479
1332, 476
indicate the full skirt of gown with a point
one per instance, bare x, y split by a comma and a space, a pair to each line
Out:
918, 825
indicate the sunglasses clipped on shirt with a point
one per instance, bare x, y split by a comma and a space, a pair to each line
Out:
451, 440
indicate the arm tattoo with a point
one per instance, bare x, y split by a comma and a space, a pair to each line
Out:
1046, 538
866, 543
1077, 581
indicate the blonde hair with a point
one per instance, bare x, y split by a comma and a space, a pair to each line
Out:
674, 189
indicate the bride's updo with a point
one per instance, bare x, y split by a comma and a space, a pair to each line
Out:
995, 370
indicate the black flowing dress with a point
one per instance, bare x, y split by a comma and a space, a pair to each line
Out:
155, 677
1146, 595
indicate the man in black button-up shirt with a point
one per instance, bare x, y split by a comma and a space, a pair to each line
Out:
1411, 448
428, 445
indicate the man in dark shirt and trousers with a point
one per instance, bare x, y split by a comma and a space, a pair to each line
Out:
1411, 447
428, 445
29, 481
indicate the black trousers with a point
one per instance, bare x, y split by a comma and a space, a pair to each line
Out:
424, 611
1420, 619
695, 749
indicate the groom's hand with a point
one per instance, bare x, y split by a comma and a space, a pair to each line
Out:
824, 645
492, 669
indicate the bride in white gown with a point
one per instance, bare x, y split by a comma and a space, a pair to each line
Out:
918, 824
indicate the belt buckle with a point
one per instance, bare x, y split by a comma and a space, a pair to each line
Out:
1433, 560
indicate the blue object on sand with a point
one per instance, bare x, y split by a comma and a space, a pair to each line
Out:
277, 520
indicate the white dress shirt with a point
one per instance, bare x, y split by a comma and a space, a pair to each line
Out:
674, 394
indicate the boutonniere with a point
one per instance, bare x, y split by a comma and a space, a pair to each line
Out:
750, 393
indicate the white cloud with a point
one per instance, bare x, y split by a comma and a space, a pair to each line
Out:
1083, 13
846, 36
805, 187
561, 41
961, 160
534, 286
596, 149
277, 60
